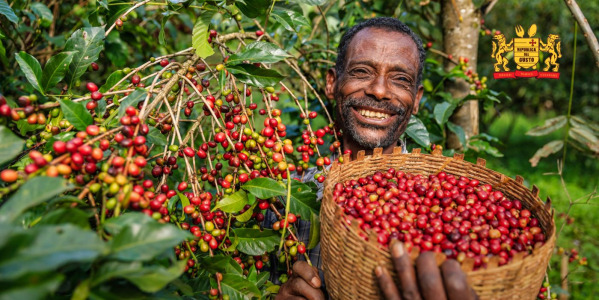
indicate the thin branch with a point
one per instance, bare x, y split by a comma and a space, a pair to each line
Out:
586, 28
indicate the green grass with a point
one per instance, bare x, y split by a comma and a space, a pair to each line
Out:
580, 174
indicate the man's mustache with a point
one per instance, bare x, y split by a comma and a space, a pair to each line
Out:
371, 103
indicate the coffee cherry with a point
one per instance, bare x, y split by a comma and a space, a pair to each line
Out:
9, 175
135, 79
92, 130
291, 218
91, 87
96, 96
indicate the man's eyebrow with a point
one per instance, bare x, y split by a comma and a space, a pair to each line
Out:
399, 67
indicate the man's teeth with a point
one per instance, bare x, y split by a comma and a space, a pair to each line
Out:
373, 114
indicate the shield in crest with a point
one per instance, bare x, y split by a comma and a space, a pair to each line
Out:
526, 52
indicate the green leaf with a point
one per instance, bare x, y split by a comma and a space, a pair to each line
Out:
112, 80
550, 125
149, 279
290, 19
10, 146
35, 191
442, 112
459, 131
45, 284
131, 100
153, 279
417, 131
259, 52
144, 239
546, 150
200, 34
264, 188
256, 76
484, 146
237, 287
253, 8
585, 136
32, 69
314, 231
428, 85
55, 69
222, 264
303, 200
69, 215
256, 242
76, 114
247, 215
232, 203
88, 42
8, 12
43, 12
52, 247
155, 137
262, 277
24, 126
81, 292
184, 202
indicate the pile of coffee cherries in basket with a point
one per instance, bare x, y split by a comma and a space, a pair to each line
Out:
457, 216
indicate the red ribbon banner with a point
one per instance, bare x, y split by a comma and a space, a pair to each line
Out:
526, 74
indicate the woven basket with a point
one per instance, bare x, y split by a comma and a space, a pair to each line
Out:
349, 260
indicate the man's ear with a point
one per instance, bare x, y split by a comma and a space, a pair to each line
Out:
331, 81
417, 100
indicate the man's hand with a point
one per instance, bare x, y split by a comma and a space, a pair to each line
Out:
303, 284
426, 281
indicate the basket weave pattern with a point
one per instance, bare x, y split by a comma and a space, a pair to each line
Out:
349, 260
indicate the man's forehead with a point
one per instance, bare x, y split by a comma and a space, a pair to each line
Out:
383, 45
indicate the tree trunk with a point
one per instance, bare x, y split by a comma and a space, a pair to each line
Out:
461, 25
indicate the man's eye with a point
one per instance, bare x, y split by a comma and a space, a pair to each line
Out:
359, 72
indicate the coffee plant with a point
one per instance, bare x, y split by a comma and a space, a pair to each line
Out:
152, 179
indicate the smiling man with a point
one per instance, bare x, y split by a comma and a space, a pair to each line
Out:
376, 85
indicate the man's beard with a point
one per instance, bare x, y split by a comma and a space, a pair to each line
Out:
350, 122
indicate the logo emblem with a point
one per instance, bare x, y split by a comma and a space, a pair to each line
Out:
526, 55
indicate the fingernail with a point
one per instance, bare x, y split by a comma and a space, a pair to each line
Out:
315, 282
397, 250
378, 271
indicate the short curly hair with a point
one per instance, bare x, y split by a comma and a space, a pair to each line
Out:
390, 24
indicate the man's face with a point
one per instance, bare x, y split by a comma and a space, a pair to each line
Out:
378, 91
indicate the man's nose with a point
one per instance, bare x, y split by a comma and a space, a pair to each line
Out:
378, 88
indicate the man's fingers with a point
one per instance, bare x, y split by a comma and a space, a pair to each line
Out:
388, 287
309, 274
405, 271
429, 277
455, 282
299, 287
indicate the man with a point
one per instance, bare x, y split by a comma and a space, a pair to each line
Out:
376, 84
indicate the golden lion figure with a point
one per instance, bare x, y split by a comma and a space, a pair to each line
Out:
553, 47
499, 49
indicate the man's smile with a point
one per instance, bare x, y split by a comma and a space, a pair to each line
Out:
376, 117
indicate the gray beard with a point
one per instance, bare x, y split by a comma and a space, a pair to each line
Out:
350, 123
